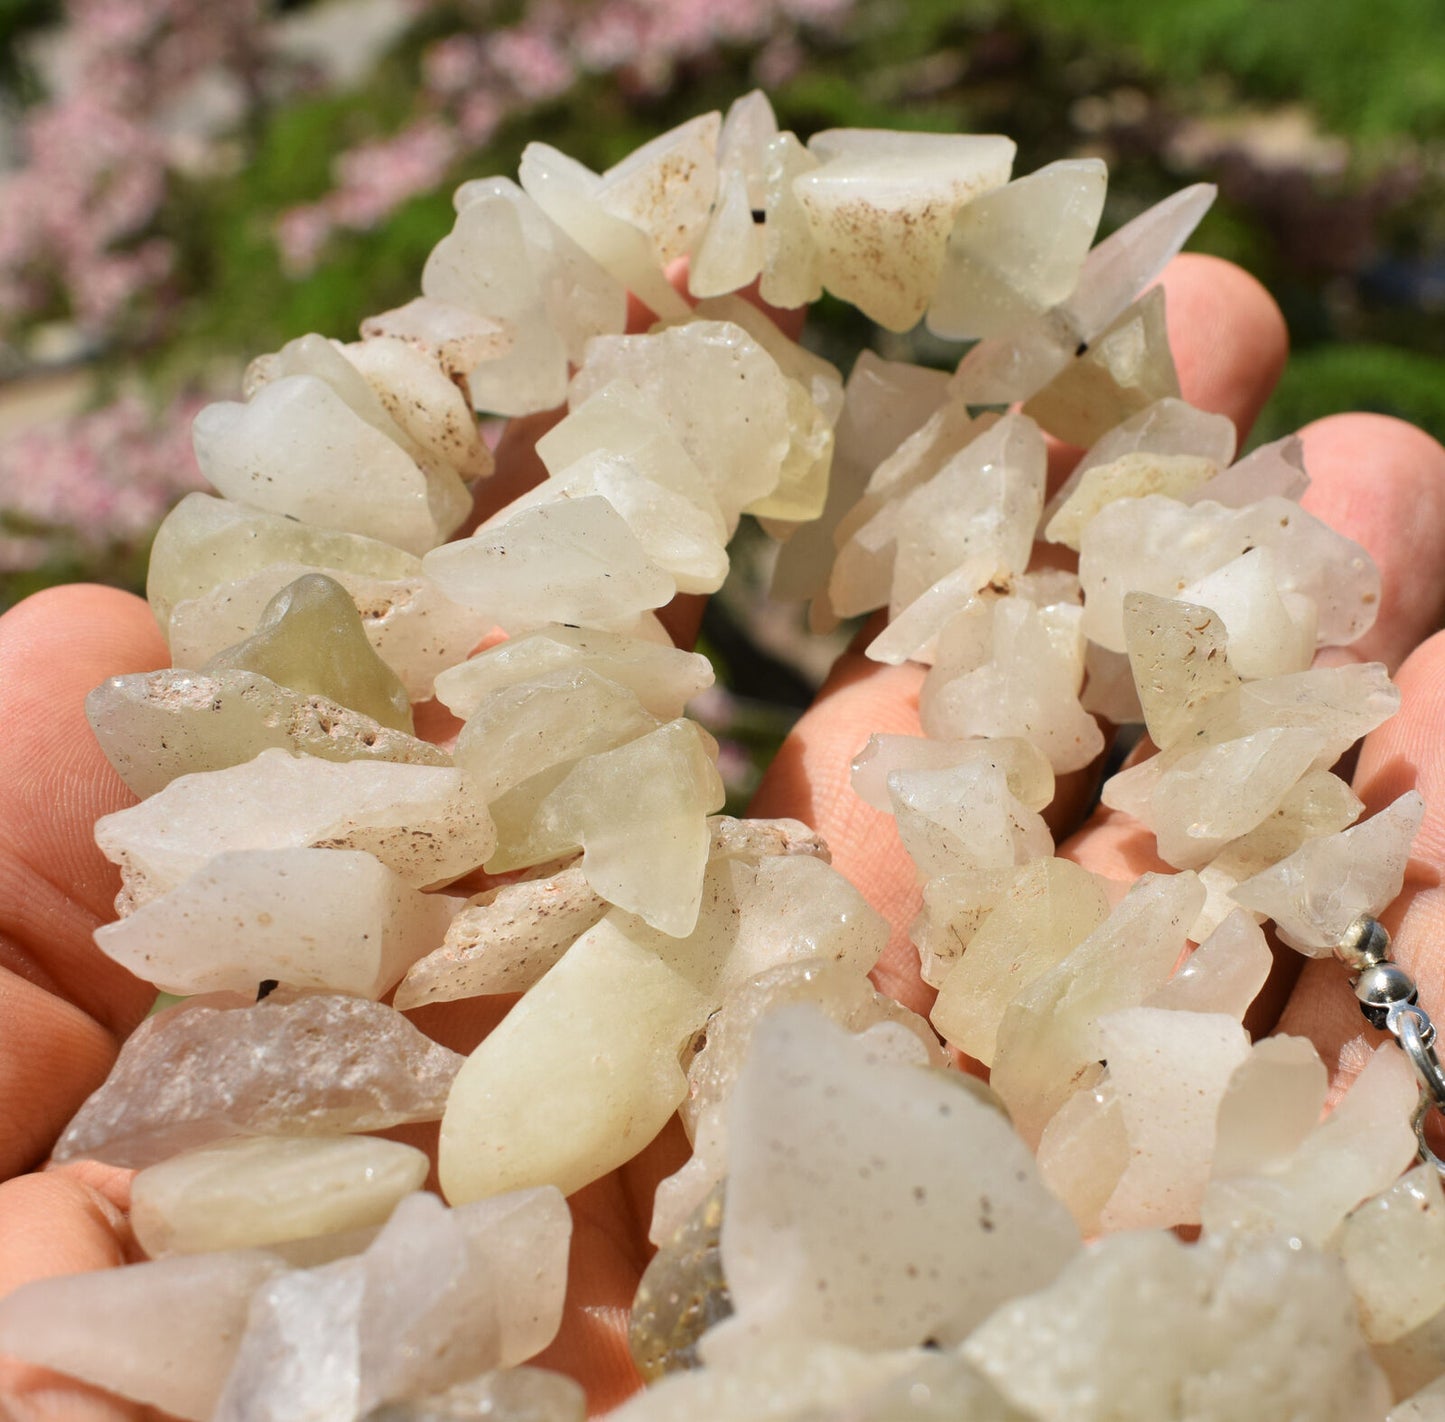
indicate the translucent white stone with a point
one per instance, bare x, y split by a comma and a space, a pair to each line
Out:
1179, 657
730, 253
1131, 476
163, 1333
792, 264
1275, 470
748, 127
1224, 974
1154, 544
1169, 1070
1027, 685
1029, 775
978, 512
1320, 804
319, 1065
503, 259
881, 207
504, 1395
851, 1217
331, 919
154, 726
1315, 893
954, 907
572, 560
250, 1193
1270, 631
1083, 1152
1109, 686
1277, 1172
1048, 1040
1018, 250
1392, 1248
1142, 1327
1001, 371
965, 817
299, 449
598, 1039
569, 194
1050, 908
458, 340
663, 678
1427, 1405
1126, 368
452, 1293
716, 389
422, 822
667, 186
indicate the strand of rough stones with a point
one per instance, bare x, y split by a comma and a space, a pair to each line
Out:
862, 1230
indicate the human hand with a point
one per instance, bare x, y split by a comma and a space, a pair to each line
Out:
62, 1005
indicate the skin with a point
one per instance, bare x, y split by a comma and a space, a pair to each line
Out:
64, 1009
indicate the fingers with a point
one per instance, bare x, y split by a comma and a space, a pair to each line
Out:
1407, 752
63, 1005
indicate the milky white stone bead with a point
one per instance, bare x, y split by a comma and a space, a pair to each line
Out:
1030, 777
955, 905
792, 263
1270, 631
1130, 476
458, 340
299, 449
1141, 1326
730, 252
262, 1190
334, 919
1391, 1248
163, 1333
1049, 1035
888, 1230
1083, 1152
1224, 974
598, 1039
1018, 250
881, 207
424, 822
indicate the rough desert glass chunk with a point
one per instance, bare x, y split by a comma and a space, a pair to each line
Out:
1224, 974
1030, 776
667, 186
154, 726
869, 1203
792, 264
1278, 1169
1013, 367
717, 390
505, 1395
320, 1065
423, 822
1127, 367
1130, 476
1050, 908
264, 1190
881, 206
1016, 251
598, 1039
1168, 1071
310, 639
663, 678
978, 512
1141, 1327
1271, 630
456, 339
163, 1333
330, 919
1048, 1040
299, 449
569, 193
573, 561
1275, 470
1319, 890
1084, 1151
1179, 656
729, 255
1393, 1248
504, 259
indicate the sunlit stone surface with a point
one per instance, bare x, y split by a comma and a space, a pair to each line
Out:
1224, 974
154, 726
1130, 476
163, 1333
1016, 251
1320, 889
1029, 775
1392, 1249
507, 1395
458, 340
1277, 1171
1144, 1328
319, 1065
792, 264
423, 822
852, 1218
263, 1190
330, 919
881, 206
1047, 912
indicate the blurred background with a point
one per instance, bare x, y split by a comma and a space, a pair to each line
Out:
187, 183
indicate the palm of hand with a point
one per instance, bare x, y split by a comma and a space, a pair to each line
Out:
64, 1008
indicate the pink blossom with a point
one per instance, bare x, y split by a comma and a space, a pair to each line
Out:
535, 64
